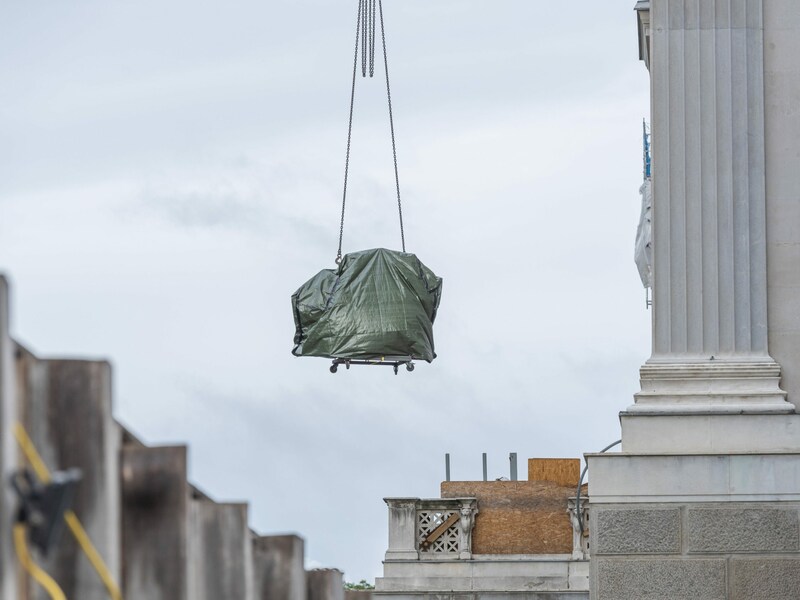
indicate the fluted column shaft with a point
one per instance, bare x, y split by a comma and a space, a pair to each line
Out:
709, 188
709, 207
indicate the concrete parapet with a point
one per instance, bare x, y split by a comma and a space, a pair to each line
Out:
65, 405
278, 571
155, 496
358, 595
160, 537
8, 450
325, 584
219, 551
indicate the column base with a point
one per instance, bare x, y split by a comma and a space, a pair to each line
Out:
711, 386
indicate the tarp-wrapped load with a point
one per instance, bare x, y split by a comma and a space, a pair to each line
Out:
378, 304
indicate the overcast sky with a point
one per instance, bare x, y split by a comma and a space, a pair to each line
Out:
170, 173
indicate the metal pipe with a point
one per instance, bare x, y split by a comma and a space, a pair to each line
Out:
578, 511
485, 472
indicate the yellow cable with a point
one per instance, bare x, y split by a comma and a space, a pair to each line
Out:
42, 578
92, 554
31, 454
70, 517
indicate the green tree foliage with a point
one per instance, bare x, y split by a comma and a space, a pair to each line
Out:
360, 586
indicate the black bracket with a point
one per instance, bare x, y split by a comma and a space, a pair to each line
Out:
390, 361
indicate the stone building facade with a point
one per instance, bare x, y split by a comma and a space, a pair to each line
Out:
490, 540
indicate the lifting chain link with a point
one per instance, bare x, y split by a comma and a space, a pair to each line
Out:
365, 33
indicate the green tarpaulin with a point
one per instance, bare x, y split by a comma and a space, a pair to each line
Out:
378, 304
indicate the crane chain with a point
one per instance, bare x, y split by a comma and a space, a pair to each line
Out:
365, 34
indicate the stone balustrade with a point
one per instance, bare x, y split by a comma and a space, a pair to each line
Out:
439, 528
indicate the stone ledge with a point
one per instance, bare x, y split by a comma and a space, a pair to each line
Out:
642, 478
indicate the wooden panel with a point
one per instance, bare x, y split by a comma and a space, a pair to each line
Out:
562, 471
517, 517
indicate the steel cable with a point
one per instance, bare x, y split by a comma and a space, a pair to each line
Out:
365, 33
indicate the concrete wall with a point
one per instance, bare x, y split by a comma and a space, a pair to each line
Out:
8, 449
161, 537
65, 405
358, 595
219, 551
325, 584
155, 496
782, 121
278, 570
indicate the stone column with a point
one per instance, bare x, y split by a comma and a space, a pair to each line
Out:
710, 351
402, 528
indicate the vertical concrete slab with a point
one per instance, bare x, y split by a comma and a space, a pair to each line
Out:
219, 552
8, 450
278, 571
358, 595
155, 498
325, 584
65, 406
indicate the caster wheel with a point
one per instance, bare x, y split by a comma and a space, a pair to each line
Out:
334, 368
410, 367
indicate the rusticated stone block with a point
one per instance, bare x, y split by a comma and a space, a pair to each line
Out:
636, 531
776, 579
661, 580
743, 530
